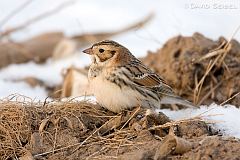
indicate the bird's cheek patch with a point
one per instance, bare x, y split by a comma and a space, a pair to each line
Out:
104, 57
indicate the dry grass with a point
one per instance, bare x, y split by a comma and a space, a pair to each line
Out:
20, 118
72, 129
218, 56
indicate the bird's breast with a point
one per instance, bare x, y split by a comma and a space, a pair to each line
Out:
113, 97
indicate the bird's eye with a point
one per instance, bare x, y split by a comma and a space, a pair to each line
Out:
113, 52
101, 50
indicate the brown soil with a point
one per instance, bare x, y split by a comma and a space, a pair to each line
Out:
81, 130
182, 62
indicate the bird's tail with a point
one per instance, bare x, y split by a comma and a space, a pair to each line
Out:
177, 100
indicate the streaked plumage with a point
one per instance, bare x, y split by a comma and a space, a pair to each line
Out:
120, 81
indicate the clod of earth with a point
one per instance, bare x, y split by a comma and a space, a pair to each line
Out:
199, 69
82, 130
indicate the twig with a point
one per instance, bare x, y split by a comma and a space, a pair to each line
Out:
213, 52
235, 95
168, 124
195, 118
91, 135
96, 152
63, 148
198, 87
14, 12
55, 140
207, 95
130, 117
200, 115
228, 45
45, 153
219, 59
37, 18
76, 144
119, 146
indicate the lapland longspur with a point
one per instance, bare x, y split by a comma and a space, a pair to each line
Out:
120, 81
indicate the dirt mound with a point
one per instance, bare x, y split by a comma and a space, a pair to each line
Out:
209, 148
82, 130
200, 69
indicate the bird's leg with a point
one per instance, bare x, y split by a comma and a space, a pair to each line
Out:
150, 112
152, 118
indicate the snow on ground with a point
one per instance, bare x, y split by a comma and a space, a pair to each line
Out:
173, 17
226, 117
90, 99
50, 72
10, 88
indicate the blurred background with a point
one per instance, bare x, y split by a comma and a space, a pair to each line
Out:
161, 20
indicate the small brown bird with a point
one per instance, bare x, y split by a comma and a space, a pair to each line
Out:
120, 81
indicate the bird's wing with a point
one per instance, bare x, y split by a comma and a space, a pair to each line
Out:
144, 77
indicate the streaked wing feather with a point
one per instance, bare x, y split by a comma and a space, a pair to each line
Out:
146, 78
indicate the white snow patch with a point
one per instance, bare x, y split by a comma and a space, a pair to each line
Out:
50, 73
226, 117
90, 99
21, 88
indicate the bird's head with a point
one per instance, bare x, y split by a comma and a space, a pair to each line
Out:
108, 52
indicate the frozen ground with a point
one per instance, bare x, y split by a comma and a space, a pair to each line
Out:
224, 118
173, 17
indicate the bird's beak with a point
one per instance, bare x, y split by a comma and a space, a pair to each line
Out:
88, 51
